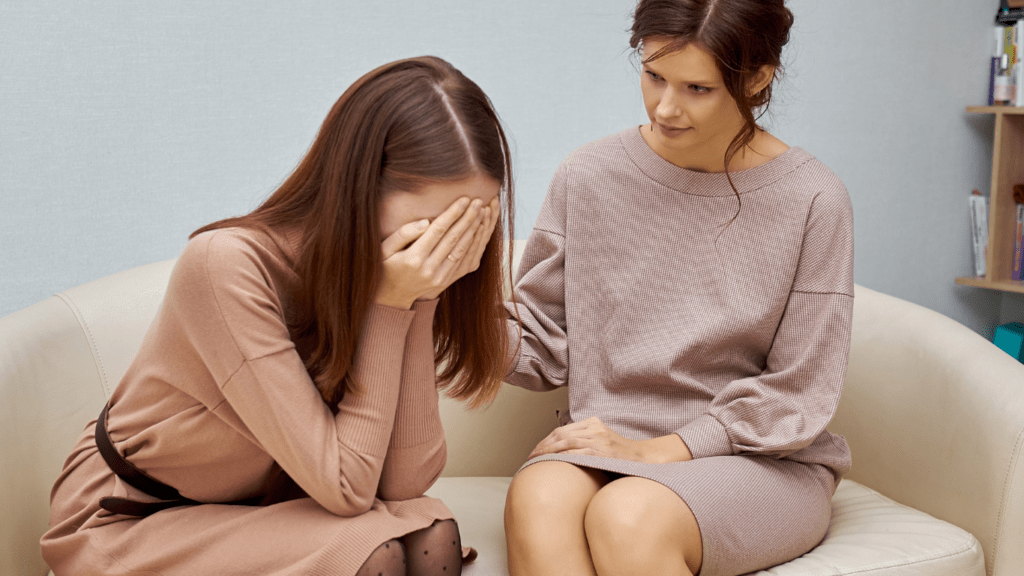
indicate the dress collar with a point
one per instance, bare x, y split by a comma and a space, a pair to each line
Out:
707, 183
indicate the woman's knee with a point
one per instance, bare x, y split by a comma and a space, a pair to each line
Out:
551, 489
436, 549
387, 560
633, 520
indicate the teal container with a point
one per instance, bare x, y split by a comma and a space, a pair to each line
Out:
1010, 339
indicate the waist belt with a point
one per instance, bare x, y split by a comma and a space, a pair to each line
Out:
133, 476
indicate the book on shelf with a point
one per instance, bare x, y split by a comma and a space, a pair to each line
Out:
979, 231
1006, 71
1018, 245
1010, 11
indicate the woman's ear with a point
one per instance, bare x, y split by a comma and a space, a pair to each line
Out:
761, 79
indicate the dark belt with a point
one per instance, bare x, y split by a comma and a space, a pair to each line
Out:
133, 476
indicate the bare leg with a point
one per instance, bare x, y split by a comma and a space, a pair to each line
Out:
435, 551
387, 560
637, 526
544, 513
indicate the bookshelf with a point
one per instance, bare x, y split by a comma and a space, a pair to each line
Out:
1007, 170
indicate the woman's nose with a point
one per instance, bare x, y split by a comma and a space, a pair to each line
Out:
668, 106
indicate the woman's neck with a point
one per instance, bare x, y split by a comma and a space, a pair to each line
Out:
710, 156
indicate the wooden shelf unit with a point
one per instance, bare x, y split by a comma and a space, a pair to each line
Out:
1007, 170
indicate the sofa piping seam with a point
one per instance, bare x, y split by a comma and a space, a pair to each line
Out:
1010, 466
92, 342
921, 560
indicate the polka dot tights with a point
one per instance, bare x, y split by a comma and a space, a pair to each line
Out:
432, 551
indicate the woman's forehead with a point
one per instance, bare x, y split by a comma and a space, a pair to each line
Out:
691, 63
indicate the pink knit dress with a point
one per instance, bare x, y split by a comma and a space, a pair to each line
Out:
219, 405
661, 317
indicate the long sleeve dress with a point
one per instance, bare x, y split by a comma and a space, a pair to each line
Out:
662, 316
218, 404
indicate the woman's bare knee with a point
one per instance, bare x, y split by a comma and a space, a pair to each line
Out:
544, 519
551, 489
635, 524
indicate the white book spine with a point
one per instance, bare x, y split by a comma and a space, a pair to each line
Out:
979, 232
1018, 67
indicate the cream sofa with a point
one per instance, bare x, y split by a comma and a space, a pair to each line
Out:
933, 412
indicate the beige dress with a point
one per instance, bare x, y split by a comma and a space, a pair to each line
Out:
219, 405
663, 317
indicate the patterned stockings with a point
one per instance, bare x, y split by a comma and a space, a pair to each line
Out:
432, 551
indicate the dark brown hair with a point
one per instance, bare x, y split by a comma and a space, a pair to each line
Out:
403, 125
742, 35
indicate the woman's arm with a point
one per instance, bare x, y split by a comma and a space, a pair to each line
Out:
417, 452
539, 348
223, 296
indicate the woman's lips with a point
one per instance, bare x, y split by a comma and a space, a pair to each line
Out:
671, 130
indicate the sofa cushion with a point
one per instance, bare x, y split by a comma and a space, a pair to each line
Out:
869, 535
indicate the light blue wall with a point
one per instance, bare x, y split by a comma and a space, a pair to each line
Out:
126, 125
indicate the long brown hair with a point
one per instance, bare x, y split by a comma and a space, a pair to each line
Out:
407, 123
742, 35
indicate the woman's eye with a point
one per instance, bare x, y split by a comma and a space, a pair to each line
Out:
700, 89
653, 75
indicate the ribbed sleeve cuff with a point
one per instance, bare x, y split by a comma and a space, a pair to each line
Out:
515, 349
385, 327
705, 436
416, 418
425, 307
366, 418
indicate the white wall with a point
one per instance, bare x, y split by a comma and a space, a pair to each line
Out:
877, 91
126, 125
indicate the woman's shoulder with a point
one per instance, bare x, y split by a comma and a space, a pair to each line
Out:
595, 159
227, 252
813, 179
602, 150
224, 245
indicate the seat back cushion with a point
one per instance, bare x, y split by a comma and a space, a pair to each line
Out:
59, 361
934, 415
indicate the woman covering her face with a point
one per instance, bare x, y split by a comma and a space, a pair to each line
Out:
691, 282
281, 416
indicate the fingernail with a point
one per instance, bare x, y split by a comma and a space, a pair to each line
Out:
477, 203
422, 224
463, 202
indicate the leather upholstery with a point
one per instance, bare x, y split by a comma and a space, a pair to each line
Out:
933, 412
934, 415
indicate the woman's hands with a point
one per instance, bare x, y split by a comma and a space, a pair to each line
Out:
424, 258
593, 438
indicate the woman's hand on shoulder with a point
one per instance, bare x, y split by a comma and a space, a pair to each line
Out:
594, 438
423, 258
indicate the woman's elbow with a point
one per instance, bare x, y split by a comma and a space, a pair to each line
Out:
350, 506
405, 484
350, 500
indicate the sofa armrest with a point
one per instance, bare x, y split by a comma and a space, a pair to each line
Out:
934, 415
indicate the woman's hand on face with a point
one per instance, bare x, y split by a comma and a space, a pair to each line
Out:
593, 438
470, 262
421, 258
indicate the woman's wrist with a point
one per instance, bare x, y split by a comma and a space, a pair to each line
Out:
665, 449
396, 303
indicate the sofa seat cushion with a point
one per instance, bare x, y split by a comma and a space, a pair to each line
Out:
870, 535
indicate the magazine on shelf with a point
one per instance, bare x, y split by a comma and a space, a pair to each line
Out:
979, 232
